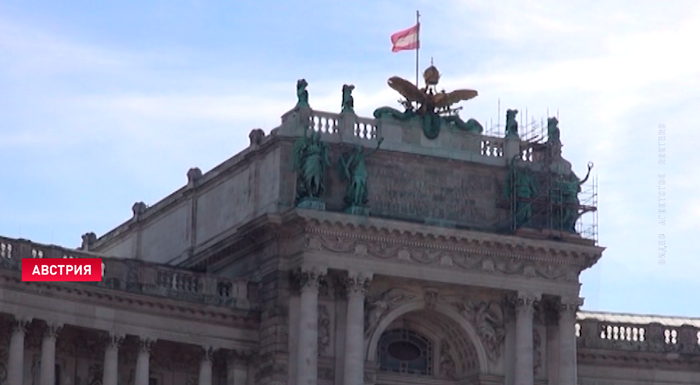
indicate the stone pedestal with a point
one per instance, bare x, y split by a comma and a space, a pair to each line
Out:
313, 204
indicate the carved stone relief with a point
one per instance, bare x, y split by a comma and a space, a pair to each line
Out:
465, 259
324, 331
488, 319
377, 307
447, 363
536, 352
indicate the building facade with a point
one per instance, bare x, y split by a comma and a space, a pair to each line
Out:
408, 248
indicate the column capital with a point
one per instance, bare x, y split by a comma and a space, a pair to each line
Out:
146, 345
52, 330
113, 340
570, 305
356, 283
208, 353
309, 278
20, 325
524, 301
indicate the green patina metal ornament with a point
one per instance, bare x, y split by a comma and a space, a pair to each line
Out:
353, 169
566, 194
520, 190
433, 107
511, 124
302, 94
310, 162
348, 103
553, 133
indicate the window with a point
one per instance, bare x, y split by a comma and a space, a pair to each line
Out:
405, 351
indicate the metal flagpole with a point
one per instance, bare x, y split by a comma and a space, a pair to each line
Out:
418, 44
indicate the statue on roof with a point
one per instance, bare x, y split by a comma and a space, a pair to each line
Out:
310, 161
432, 106
353, 169
511, 124
567, 195
348, 103
521, 189
553, 133
302, 94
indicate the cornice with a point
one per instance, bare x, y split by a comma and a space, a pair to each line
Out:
141, 303
450, 248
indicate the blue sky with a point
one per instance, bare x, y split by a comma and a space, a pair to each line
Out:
107, 103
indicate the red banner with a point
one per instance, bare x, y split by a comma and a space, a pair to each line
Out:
61, 269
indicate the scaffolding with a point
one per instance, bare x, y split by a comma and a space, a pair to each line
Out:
549, 208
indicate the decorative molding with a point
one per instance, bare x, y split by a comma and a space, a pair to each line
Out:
467, 256
121, 300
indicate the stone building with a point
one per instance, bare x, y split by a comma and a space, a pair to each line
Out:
442, 261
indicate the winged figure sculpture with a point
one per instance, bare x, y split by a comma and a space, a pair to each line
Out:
431, 105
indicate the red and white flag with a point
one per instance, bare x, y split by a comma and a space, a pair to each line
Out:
406, 40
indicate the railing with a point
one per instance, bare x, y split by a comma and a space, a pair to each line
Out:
492, 147
140, 277
324, 122
653, 337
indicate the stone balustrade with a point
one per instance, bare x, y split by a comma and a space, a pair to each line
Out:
140, 277
333, 125
653, 337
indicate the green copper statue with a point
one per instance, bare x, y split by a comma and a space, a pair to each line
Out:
511, 123
521, 186
353, 168
302, 94
310, 161
348, 103
570, 187
553, 133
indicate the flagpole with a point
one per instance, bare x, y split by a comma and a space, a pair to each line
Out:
418, 46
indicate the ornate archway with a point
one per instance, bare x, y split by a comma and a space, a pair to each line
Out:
453, 341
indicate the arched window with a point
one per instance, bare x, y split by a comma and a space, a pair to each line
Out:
405, 351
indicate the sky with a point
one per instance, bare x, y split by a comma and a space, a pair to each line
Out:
103, 104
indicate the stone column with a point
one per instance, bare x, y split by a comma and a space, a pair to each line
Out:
15, 370
524, 313
567, 340
355, 329
48, 355
307, 358
111, 364
205, 375
237, 363
142, 361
